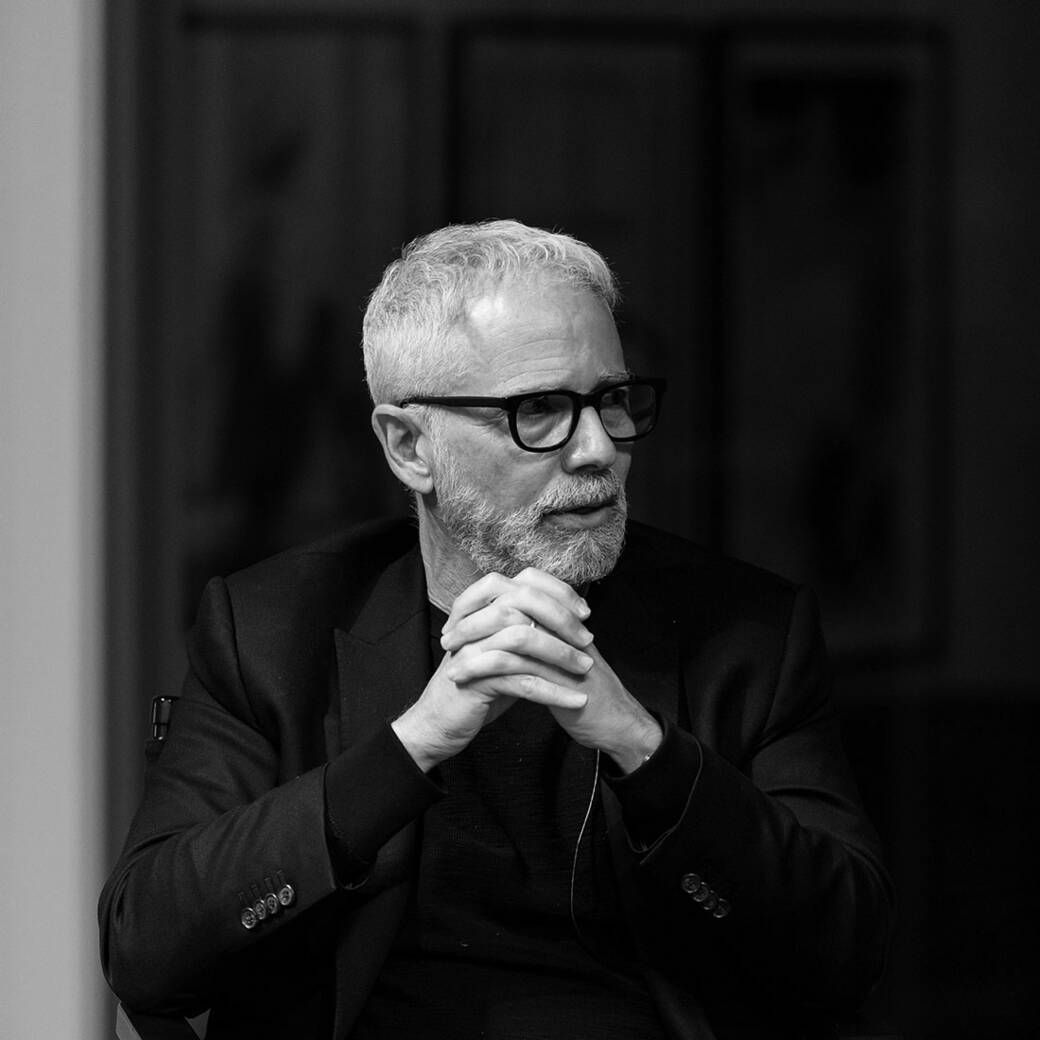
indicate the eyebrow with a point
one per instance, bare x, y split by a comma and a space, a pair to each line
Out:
607, 379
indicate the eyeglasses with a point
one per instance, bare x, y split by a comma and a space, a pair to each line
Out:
545, 420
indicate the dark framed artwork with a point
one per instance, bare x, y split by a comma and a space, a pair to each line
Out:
831, 331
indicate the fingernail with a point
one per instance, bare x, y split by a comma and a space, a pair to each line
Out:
583, 609
586, 636
585, 661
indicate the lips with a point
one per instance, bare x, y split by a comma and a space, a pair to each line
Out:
584, 508
587, 507
593, 506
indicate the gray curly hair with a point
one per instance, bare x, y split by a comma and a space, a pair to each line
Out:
415, 311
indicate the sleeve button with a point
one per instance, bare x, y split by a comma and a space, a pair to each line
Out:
248, 919
690, 883
722, 909
286, 895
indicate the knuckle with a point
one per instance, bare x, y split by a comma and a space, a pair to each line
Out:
567, 626
461, 666
498, 583
483, 590
529, 683
514, 637
497, 660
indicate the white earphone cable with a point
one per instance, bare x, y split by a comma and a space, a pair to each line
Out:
577, 845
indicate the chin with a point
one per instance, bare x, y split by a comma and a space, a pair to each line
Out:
583, 556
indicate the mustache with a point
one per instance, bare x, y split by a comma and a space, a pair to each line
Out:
592, 490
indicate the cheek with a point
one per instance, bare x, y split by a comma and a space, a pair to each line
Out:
515, 483
624, 461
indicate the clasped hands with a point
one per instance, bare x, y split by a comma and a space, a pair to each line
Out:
524, 638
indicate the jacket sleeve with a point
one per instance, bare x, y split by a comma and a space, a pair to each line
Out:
226, 852
771, 869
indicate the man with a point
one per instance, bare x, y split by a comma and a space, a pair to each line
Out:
501, 777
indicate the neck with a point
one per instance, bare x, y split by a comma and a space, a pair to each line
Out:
448, 570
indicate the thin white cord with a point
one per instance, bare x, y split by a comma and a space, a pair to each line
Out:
577, 846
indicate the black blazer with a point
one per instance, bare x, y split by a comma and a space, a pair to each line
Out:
299, 659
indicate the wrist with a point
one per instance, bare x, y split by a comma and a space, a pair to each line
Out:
640, 745
411, 740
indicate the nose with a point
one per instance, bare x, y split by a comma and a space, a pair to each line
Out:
591, 446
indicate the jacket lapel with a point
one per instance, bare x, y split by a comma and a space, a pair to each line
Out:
383, 658
383, 663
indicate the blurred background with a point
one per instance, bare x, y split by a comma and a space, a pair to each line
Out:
824, 220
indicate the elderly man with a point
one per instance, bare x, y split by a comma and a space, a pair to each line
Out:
531, 770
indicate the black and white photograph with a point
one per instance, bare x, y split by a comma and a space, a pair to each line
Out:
518, 519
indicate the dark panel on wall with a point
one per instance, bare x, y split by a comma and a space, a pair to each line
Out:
832, 370
298, 165
597, 130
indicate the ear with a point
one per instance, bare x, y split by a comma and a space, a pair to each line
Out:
406, 446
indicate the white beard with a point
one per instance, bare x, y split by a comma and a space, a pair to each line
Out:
507, 542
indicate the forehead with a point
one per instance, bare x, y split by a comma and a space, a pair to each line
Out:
536, 336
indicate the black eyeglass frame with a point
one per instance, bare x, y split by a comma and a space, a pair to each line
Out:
579, 402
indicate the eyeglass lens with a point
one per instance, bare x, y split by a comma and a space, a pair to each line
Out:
626, 412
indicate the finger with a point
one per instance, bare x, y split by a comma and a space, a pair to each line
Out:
510, 604
475, 597
467, 668
491, 586
556, 588
515, 649
517, 608
541, 645
538, 690
497, 615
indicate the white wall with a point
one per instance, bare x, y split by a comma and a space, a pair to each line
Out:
51, 821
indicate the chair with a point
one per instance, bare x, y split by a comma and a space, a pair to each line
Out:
132, 1025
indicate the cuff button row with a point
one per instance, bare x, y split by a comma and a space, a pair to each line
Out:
704, 896
258, 906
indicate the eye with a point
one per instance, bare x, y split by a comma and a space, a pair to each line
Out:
535, 407
615, 397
